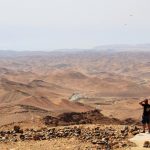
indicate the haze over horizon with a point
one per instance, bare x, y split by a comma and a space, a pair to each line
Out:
60, 24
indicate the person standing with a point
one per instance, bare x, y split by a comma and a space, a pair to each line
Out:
146, 114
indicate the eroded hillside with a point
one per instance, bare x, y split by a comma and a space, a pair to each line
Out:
33, 84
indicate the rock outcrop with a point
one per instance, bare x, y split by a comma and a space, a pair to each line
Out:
71, 118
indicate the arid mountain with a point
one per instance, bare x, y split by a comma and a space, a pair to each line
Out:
36, 83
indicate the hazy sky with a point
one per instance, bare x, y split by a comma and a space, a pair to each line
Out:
55, 24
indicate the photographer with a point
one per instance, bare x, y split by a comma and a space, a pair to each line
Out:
146, 114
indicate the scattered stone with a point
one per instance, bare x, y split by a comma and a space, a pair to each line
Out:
146, 144
102, 138
22, 137
17, 129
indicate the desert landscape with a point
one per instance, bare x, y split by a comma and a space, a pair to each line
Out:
74, 75
100, 86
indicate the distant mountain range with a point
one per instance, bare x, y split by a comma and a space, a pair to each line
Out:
119, 47
124, 47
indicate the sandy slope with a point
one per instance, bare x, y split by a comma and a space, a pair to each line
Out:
61, 144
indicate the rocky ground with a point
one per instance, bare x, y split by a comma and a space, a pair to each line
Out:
81, 137
70, 131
